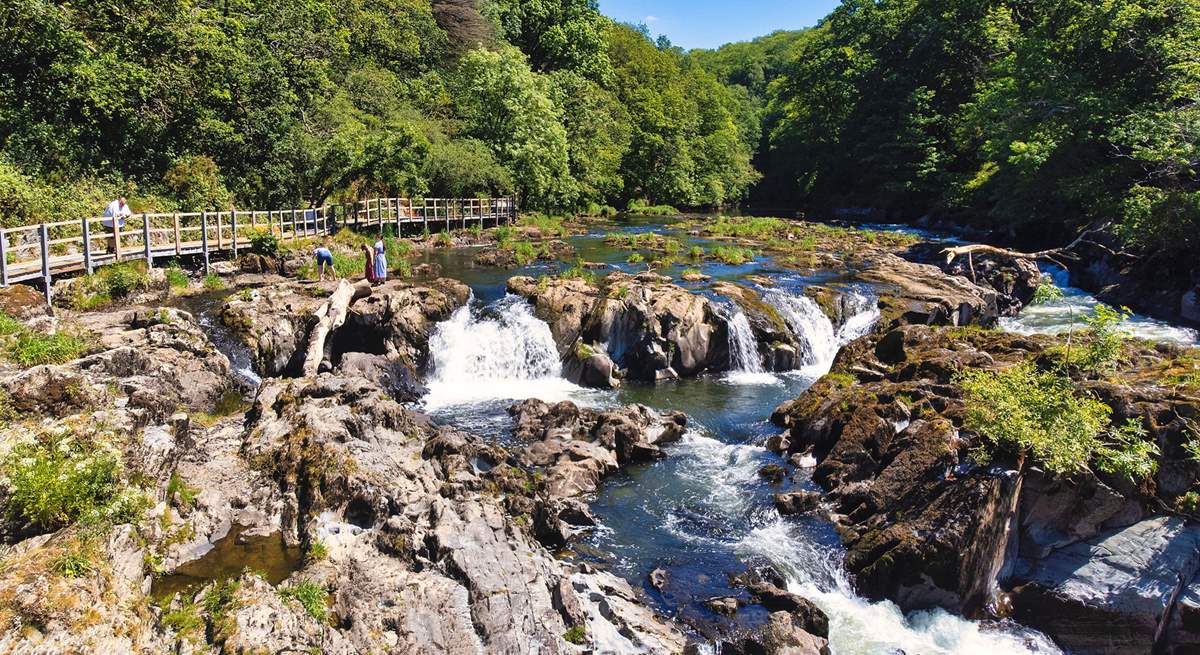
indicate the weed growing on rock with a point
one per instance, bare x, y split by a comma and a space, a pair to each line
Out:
575, 635
185, 621
179, 493
212, 282
57, 479
317, 551
75, 561
35, 348
311, 596
264, 242
220, 602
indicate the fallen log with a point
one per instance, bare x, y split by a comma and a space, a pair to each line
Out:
1050, 254
330, 317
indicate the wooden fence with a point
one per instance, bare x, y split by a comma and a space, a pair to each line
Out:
33, 252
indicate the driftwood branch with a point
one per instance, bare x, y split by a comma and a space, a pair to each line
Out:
1051, 254
330, 317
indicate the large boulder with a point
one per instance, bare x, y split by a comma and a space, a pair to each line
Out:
1108, 594
924, 294
653, 329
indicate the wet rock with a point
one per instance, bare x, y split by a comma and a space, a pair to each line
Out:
590, 367
772, 473
725, 605
797, 502
576, 447
770, 330
783, 634
658, 578
804, 613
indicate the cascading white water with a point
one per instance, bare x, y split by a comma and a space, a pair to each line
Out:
1066, 313
743, 347
507, 355
810, 325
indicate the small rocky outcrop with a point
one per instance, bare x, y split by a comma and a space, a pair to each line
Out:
575, 447
156, 359
394, 321
924, 526
507, 257
1014, 279
654, 330
924, 294
777, 345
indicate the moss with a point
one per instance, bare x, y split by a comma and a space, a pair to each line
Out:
575, 635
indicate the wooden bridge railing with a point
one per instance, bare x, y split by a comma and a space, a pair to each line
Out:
41, 251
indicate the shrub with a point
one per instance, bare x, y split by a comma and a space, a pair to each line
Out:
264, 242
73, 562
635, 258
317, 551
311, 596
732, 255
503, 234
524, 252
641, 207
1046, 291
212, 282
546, 224
57, 479
1104, 345
696, 253
179, 493
120, 280
1023, 410
443, 239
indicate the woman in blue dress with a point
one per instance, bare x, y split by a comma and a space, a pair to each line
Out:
380, 261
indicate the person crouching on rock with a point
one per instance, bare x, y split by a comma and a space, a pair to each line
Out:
324, 258
380, 261
369, 266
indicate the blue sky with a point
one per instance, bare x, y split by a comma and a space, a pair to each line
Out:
710, 23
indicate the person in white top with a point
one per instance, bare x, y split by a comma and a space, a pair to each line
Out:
118, 210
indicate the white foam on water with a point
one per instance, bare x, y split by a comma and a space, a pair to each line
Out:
1068, 312
509, 356
816, 332
745, 363
861, 627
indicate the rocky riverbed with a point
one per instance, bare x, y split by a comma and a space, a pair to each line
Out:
582, 465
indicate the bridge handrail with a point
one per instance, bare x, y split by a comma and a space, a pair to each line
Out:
30, 252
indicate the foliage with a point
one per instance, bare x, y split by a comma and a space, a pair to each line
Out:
264, 242
179, 493
317, 551
1021, 410
733, 255
311, 595
59, 478
1046, 291
1104, 344
547, 224
1128, 452
177, 278
212, 282
1028, 116
576, 635
73, 562
34, 348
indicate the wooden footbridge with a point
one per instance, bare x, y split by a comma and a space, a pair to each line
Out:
42, 251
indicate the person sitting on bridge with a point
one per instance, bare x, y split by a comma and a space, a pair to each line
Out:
324, 257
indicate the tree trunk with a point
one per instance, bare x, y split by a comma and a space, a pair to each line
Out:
330, 317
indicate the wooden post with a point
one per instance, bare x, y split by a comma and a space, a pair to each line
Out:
3, 258
116, 227
295, 232
87, 248
219, 227
425, 213
44, 233
204, 238
146, 240
178, 245
399, 227
233, 220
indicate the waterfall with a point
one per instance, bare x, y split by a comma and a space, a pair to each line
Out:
811, 326
816, 333
503, 352
743, 347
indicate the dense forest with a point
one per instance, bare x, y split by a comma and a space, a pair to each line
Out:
1008, 113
